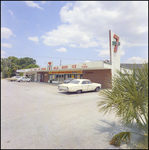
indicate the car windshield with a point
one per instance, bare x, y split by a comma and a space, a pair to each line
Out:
17, 77
67, 80
74, 81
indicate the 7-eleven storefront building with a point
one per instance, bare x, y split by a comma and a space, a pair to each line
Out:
99, 72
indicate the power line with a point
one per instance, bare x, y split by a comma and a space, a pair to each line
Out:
56, 57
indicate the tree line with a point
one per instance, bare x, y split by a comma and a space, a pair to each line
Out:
10, 65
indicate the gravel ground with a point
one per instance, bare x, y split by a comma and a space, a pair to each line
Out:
38, 116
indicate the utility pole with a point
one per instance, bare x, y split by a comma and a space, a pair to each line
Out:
60, 62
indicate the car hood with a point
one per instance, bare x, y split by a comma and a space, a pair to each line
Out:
68, 84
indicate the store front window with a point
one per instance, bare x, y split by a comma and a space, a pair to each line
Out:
59, 78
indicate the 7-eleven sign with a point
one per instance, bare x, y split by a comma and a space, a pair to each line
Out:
117, 43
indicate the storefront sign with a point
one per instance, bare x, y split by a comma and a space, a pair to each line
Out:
43, 68
65, 72
73, 66
84, 66
39, 69
35, 69
55, 67
64, 67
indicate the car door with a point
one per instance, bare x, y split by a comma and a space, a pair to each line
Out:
25, 79
84, 86
90, 86
22, 79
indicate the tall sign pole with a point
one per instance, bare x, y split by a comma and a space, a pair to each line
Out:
115, 49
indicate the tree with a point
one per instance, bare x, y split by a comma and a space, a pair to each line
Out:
129, 100
10, 65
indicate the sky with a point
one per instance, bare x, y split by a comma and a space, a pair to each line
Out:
73, 32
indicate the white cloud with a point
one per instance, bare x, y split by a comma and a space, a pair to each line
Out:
87, 61
35, 39
87, 24
122, 53
43, 2
3, 54
72, 45
136, 60
32, 4
104, 53
61, 49
6, 33
7, 45
11, 13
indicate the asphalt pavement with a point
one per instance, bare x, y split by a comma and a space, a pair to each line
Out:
38, 116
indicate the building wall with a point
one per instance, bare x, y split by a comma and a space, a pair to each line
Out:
99, 76
44, 75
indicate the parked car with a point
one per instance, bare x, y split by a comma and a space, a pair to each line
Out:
24, 79
14, 78
79, 85
67, 80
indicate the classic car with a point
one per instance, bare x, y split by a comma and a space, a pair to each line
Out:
14, 78
23, 79
67, 80
79, 85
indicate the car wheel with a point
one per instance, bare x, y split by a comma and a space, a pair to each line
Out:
79, 91
97, 89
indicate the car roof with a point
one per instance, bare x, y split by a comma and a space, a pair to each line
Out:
82, 79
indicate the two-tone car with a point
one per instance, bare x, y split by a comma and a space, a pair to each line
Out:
14, 78
79, 85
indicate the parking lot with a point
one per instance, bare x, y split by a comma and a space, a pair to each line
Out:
38, 116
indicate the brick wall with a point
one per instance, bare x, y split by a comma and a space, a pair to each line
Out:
45, 76
99, 76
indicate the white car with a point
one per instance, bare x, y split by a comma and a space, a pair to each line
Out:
79, 85
23, 79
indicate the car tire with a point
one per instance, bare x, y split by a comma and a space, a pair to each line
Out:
97, 89
79, 91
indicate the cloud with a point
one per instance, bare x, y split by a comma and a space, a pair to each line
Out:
122, 53
72, 45
61, 49
87, 24
35, 39
87, 61
6, 33
32, 4
7, 45
43, 2
3, 54
136, 60
11, 12
104, 53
